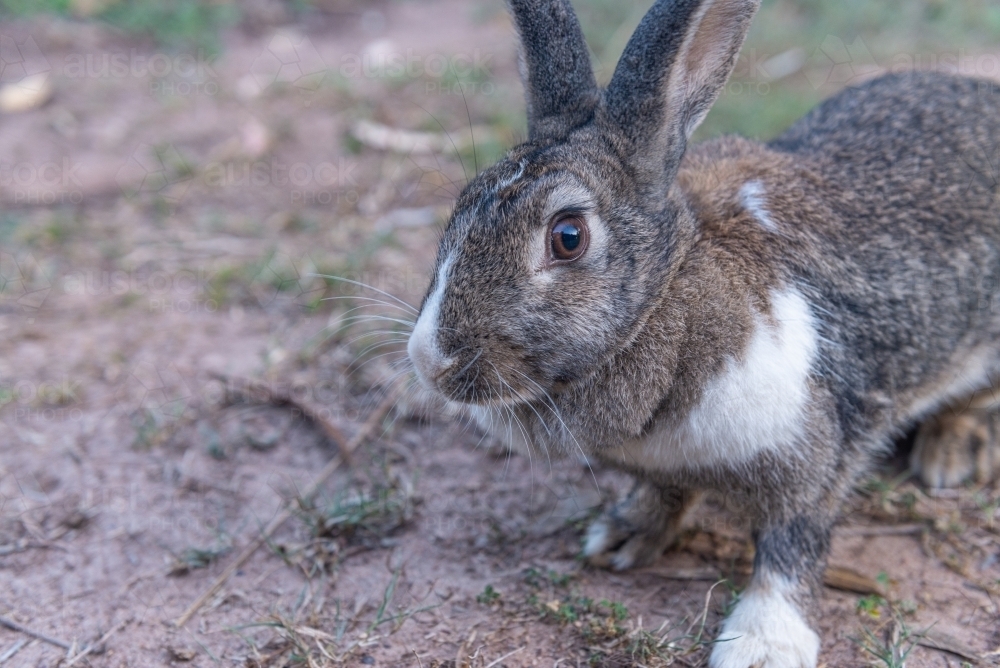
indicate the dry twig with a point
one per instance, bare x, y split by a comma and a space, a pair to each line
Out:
505, 656
256, 391
100, 643
18, 646
847, 579
14, 626
942, 642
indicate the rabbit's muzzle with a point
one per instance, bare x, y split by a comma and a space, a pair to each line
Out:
469, 375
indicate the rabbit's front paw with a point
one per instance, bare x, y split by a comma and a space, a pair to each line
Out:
955, 446
638, 529
765, 630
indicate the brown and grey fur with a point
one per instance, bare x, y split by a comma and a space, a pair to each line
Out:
883, 216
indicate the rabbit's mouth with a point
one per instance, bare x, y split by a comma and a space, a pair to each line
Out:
473, 379
489, 385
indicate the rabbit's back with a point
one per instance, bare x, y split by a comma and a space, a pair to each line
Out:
902, 142
902, 254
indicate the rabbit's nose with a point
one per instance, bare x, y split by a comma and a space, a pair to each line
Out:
426, 355
423, 347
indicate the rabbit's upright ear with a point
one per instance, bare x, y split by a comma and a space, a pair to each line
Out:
555, 66
672, 70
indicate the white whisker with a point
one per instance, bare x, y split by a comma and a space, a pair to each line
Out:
396, 299
375, 302
551, 404
355, 319
396, 336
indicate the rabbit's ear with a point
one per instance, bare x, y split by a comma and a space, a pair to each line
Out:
673, 68
555, 66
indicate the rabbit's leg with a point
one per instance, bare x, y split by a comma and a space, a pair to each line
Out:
640, 527
768, 628
961, 442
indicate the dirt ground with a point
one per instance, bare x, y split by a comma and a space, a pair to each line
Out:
163, 225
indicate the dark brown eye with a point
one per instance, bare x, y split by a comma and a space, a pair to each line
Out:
568, 238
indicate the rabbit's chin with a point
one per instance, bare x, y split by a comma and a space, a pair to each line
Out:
500, 424
502, 402
488, 415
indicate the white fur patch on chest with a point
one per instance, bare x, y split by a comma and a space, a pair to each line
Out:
757, 403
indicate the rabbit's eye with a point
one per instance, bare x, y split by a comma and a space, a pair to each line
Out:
568, 238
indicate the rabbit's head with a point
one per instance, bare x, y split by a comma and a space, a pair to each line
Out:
553, 256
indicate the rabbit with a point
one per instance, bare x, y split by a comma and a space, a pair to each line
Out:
758, 319
959, 443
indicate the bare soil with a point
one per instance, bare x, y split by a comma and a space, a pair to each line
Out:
145, 268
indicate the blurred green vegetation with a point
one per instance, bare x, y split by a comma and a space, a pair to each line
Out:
174, 22
801, 36
187, 24
27, 7
798, 51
